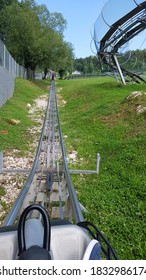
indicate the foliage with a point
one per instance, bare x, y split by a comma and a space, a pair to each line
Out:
4, 3
34, 36
87, 65
132, 60
98, 117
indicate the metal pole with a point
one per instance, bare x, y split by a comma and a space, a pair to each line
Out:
119, 68
97, 163
1, 161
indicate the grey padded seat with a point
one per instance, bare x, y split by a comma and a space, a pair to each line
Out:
8, 245
68, 242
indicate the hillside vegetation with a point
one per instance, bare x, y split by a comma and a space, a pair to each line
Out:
98, 117
15, 135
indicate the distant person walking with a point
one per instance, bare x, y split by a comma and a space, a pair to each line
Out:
52, 76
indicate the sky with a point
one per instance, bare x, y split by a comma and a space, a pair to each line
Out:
80, 16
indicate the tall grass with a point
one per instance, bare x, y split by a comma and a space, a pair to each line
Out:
98, 117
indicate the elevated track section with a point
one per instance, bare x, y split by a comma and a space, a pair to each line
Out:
118, 24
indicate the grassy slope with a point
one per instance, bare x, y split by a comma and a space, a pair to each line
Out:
98, 118
16, 136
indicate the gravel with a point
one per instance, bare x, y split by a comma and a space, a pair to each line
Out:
12, 182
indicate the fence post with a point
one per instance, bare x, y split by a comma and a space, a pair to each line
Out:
4, 56
12, 66
1, 161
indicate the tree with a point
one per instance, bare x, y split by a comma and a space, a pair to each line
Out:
57, 22
57, 54
55, 51
21, 34
34, 36
29, 3
4, 3
88, 65
53, 20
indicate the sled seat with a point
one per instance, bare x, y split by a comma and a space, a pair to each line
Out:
8, 243
68, 241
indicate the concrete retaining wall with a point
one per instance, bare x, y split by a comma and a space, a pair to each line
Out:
7, 84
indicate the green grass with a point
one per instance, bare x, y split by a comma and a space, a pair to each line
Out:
2, 192
17, 136
97, 117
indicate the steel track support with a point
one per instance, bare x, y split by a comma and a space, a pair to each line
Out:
1, 162
88, 171
114, 57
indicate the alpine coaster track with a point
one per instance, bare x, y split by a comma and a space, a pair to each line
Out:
49, 182
55, 226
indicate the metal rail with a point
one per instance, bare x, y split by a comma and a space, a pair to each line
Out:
74, 201
119, 33
49, 181
12, 215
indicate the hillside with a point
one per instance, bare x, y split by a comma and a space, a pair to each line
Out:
100, 116
97, 116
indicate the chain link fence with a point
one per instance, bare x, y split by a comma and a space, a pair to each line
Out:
9, 70
8, 62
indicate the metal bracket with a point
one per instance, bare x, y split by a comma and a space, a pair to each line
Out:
88, 171
1, 161
5, 170
12, 170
